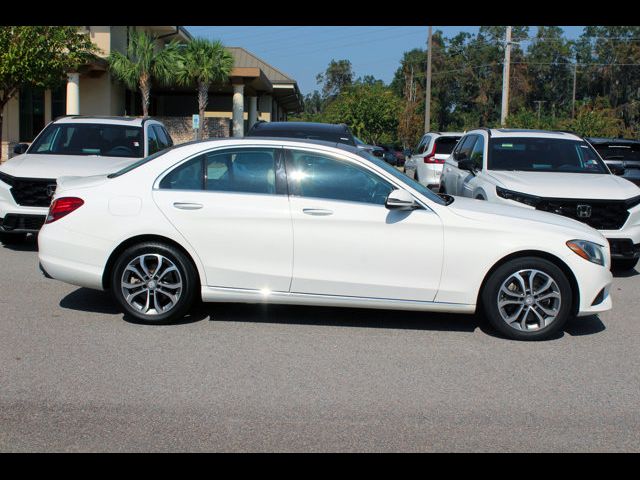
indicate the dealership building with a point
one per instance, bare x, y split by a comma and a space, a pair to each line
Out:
254, 91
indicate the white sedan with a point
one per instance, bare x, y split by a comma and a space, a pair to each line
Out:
312, 223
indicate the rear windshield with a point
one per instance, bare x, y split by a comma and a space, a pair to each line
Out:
619, 152
328, 135
530, 154
445, 145
90, 139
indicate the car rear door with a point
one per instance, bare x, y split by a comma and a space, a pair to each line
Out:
346, 241
231, 205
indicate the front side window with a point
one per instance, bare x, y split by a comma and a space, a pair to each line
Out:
477, 153
317, 175
152, 141
240, 170
543, 155
466, 146
89, 139
163, 141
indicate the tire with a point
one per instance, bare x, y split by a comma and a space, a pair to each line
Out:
624, 264
12, 238
149, 298
533, 323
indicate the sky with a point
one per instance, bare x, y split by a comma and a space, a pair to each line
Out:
302, 52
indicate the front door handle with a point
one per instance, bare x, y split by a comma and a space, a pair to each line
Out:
317, 211
188, 206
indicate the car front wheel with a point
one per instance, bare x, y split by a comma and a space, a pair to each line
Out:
527, 299
154, 282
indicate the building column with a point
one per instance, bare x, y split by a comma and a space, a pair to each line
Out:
73, 93
238, 110
253, 111
265, 106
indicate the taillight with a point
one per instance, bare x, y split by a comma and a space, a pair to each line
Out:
63, 206
431, 156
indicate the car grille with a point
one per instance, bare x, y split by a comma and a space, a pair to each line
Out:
14, 221
30, 192
599, 214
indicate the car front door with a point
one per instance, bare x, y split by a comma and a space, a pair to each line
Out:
470, 182
231, 206
347, 243
462, 177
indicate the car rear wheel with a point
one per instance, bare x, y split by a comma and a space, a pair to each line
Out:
527, 299
154, 282
624, 264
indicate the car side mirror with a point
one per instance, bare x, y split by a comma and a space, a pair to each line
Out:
401, 200
617, 169
20, 148
467, 164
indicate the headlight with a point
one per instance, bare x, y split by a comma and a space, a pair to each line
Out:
525, 198
8, 179
588, 250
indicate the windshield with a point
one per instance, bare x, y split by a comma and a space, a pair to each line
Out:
402, 177
90, 139
543, 155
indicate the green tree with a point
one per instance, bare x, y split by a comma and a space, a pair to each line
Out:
335, 78
371, 111
201, 63
145, 60
39, 56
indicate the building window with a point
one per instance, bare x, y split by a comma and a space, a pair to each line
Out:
58, 102
31, 113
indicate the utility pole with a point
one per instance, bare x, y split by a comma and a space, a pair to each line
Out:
505, 78
427, 104
573, 101
539, 102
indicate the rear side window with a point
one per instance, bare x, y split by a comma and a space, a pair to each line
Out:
445, 145
239, 170
619, 152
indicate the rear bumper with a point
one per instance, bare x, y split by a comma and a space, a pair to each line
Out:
21, 223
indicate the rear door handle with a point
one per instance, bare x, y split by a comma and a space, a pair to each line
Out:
317, 211
188, 206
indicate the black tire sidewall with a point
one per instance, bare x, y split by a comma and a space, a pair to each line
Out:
490, 292
185, 267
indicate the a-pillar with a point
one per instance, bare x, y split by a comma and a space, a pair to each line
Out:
238, 110
73, 93
253, 111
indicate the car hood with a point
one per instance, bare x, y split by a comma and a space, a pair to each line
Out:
537, 221
566, 185
56, 166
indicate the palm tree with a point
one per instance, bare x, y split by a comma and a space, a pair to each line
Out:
204, 62
144, 61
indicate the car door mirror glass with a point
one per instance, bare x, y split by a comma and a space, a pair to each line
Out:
617, 169
401, 200
467, 164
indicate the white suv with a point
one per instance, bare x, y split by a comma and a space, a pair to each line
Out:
428, 157
556, 172
69, 146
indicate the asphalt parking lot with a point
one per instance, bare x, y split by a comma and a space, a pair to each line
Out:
76, 376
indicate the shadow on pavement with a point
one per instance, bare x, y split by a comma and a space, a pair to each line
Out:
94, 301
340, 317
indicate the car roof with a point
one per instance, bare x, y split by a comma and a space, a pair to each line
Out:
303, 126
446, 134
525, 132
269, 140
129, 121
612, 141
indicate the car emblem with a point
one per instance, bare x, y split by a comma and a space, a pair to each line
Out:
583, 211
51, 190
